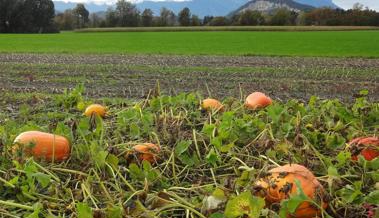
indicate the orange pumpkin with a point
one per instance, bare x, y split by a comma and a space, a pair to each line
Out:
212, 104
95, 109
147, 151
279, 184
42, 145
368, 147
257, 100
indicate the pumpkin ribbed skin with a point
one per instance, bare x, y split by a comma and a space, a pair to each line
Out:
147, 151
43, 145
368, 147
279, 184
257, 100
212, 104
95, 109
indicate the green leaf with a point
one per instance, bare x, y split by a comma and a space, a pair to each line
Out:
217, 142
227, 148
182, 147
219, 194
114, 212
43, 179
363, 92
112, 160
83, 210
100, 158
333, 172
135, 172
373, 198
244, 204
37, 209
217, 215
208, 129
212, 157
290, 205
373, 164
275, 111
343, 157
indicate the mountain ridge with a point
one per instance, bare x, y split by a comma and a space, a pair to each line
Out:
269, 6
197, 7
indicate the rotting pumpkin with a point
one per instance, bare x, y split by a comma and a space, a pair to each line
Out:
95, 109
210, 104
279, 184
42, 146
257, 100
368, 147
146, 151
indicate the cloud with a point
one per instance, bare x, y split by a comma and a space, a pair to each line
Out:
346, 4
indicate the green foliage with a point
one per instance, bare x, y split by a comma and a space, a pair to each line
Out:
244, 205
83, 210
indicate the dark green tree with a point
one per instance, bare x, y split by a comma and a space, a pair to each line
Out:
27, 16
147, 17
127, 14
81, 16
111, 18
218, 21
251, 18
167, 17
195, 20
185, 17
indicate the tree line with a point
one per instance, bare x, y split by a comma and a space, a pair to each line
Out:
39, 16
27, 16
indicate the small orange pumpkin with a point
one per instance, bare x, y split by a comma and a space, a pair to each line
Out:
257, 100
147, 151
279, 184
210, 104
368, 147
95, 109
42, 145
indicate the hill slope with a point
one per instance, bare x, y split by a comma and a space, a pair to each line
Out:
269, 6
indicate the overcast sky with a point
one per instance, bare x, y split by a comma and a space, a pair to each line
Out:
373, 4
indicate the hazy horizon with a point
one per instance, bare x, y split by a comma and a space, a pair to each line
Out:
346, 4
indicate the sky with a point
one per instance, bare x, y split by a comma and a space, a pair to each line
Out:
346, 4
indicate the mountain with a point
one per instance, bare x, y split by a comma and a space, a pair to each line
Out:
91, 7
197, 7
268, 6
318, 3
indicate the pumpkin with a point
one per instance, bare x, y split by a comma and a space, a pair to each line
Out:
279, 184
257, 100
147, 151
368, 147
210, 104
95, 109
42, 145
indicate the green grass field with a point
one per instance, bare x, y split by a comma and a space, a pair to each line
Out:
316, 43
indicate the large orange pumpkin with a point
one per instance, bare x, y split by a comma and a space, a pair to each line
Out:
368, 147
95, 109
147, 151
257, 100
212, 104
279, 184
42, 145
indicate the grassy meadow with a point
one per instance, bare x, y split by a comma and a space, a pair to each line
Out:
363, 43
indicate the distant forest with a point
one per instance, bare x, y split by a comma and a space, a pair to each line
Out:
39, 16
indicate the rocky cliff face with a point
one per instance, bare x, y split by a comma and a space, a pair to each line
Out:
268, 6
